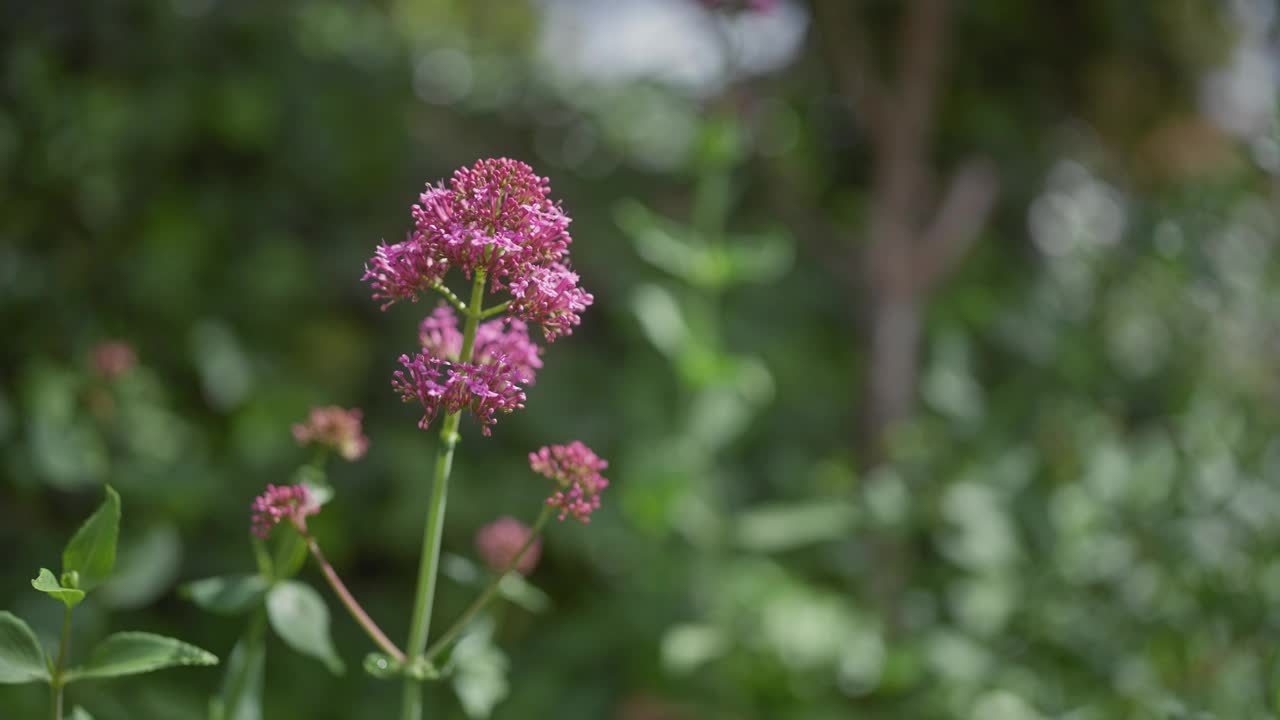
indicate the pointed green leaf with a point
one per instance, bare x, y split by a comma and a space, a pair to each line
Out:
227, 595
300, 617
479, 670
48, 584
92, 550
131, 653
21, 659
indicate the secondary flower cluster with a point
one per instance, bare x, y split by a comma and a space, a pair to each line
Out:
282, 502
496, 340
500, 541
494, 217
334, 428
576, 470
437, 384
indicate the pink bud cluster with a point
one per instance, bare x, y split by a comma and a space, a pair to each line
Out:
497, 217
335, 428
282, 502
576, 470
500, 541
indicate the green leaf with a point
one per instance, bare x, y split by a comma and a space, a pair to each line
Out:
300, 617
242, 687
227, 595
146, 569
131, 653
80, 713
479, 670
48, 584
21, 659
92, 550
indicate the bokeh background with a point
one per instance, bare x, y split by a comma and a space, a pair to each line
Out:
934, 346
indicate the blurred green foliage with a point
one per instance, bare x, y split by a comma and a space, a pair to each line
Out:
1088, 488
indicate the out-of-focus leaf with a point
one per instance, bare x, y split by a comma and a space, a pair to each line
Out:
780, 527
47, 583
79, 713
91, 553
479, 670
21, 659
227, 594
241, 695
225, 373
661, 319
516, 588
145, 569
685, 648
132, 653
300, 617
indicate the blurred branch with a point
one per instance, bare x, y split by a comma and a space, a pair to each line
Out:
965, 206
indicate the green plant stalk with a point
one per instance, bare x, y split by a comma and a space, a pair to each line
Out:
56, 684
429, 565
460, 624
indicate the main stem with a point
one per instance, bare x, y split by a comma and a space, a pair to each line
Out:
61, 666
429, 564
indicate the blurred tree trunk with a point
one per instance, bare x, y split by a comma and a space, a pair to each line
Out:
913, 237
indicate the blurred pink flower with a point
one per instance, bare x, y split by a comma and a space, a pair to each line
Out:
112, 358
335, 428
500, 541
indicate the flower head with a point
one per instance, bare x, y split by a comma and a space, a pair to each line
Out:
438, 384
402, 271
496, 217
335, 428
576, 470
282, 502
113, 358
500, 541
496, 341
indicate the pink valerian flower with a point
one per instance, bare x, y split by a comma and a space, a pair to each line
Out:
500, 541
112, 358
335, 428
402, 271
551, 297
495, 216
576, 470
442, 385
501, 339
282, 502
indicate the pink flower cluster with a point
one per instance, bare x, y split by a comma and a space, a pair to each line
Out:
496, 340
500, 541
576, 469
495, 216
335, 428
282, 502
437, 384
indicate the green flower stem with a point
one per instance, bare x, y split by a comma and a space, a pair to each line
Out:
460, 624
349, 601
490, 312
454, 300
429, 565
57, 682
